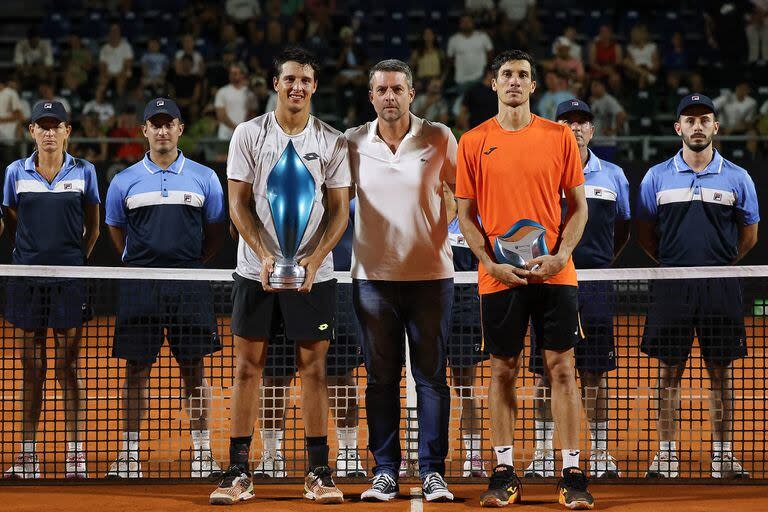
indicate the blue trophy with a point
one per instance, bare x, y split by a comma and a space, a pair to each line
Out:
523, 242
291, 195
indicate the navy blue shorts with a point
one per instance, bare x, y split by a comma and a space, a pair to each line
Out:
344, 352
151, 310
595, 352
39, 303
465, 345
712, 309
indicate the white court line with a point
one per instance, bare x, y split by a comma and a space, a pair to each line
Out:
417, 505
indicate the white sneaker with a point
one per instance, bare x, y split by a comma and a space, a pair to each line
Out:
602, 465
727, 466
75, 466
125, 467
270, 466
664, 465
474, 467
348, 464
204, 465
25, 466
542, 465
435, 488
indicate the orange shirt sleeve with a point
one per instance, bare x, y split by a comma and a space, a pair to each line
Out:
573, 173
466, 169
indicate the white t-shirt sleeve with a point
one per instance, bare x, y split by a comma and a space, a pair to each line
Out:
127, 50
219, 101
487, 43
337, 171
240, 162
451, 51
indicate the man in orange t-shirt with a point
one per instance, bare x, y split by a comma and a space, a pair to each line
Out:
517, 166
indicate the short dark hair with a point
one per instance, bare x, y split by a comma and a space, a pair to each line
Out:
509, 55
393, 65
296, 54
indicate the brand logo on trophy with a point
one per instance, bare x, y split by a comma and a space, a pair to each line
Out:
291, 195
523, 242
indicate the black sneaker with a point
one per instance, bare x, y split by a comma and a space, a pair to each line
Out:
503, 489
383, 488
572, 490
435, 488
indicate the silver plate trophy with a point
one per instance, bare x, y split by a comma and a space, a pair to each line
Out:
291, 195
523, 242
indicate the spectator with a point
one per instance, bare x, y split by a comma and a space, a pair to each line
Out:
92, 150
609, 120
78, 63
606, 57
273, 45
10, 120
255, 58
102, 108
726, 34
186, 89
218, 73
522, 13
737, 111
234, 102
428, 60
431, 105
203, 128
642, 60
565, 63
127, 127
676, 59
265, 98
557, 92
115, 60
242, 10
470, 50
33, 58
188, 49
478, 104
569, 39
483, 11
229, 40
46, 92
510, 35
154, 66
757, 36
350, 63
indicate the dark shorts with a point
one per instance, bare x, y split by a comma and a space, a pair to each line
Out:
344, 353
596, 352
465, 345
151, 310
552, 310
300, 316
39, 303
713, 309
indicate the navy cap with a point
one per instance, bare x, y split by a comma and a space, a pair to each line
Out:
573, 105
695, 99
54, 109
161, 106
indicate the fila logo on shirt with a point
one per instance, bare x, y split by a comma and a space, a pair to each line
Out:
187, 198
311, 156
67, 186
718, 196
598, 192
490, 150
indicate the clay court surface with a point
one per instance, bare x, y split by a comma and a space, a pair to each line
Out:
287, 498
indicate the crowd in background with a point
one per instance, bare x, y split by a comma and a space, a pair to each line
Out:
104, 59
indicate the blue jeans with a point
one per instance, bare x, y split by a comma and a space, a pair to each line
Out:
387, 310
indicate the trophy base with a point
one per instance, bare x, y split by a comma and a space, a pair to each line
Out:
287, 276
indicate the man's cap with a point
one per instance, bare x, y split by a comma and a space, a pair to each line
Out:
161, 106
53, 109
573, 105
695, 99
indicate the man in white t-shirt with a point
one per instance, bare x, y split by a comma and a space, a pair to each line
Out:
10, 119
233, 102
469, 49
115, 60
402, 271
33, 57
738, 114
287, 141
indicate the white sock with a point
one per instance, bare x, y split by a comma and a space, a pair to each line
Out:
545, 432
598, 434
721, 448
28, 447
668, 447
347, 437
505, 455
570, 457
201, 440
74, 447
272, 439
473, 444
131, 444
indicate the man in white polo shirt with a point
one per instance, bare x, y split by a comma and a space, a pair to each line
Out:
402, 272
